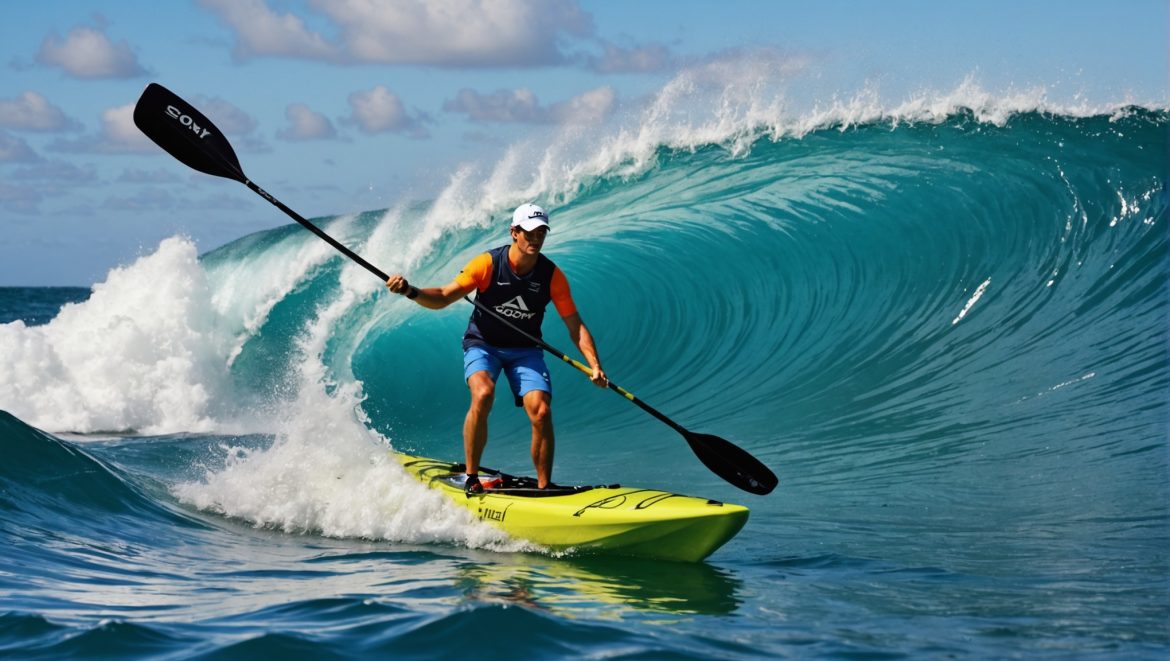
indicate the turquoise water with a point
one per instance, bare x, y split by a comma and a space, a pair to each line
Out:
947, 338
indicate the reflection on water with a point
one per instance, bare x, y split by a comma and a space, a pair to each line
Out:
566, 585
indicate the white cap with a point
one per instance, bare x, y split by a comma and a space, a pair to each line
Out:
528, 217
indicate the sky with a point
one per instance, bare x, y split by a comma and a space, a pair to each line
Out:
344, 106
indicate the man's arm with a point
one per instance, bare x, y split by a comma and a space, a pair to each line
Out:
579, 333
477, 273
434, 298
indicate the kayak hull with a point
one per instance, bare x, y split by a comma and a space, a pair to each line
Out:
613, 520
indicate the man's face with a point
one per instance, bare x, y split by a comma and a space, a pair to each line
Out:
529, 241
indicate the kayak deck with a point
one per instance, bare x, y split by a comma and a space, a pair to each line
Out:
608, 519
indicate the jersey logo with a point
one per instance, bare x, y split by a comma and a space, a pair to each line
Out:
515, 309
516, 303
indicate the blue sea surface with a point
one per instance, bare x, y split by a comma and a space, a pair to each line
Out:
35, 306
948, 339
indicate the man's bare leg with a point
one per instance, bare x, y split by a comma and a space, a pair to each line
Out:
537, 404
475, 426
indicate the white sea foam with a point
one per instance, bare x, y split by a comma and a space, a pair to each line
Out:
151, 349
328, 473
140, 353
979, 291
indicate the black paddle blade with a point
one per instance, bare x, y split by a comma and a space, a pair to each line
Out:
185, 133
732, 463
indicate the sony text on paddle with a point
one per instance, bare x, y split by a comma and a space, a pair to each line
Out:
188, 121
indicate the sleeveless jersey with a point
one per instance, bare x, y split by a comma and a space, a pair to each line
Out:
519, 299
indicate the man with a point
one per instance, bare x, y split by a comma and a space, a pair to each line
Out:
516, 282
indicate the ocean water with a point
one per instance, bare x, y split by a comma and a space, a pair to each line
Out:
944, 327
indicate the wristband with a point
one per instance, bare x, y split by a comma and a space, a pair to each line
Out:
412, 293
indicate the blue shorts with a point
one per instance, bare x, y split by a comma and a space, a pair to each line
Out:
524, 368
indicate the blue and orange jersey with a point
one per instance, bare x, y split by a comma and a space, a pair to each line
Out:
478, 272
515, 301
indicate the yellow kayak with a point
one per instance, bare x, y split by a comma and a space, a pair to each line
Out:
614, 520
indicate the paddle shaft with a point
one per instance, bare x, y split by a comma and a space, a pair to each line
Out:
316, 230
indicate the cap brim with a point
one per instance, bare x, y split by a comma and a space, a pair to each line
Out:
529, 224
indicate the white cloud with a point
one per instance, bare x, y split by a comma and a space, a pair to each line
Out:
468, 33
15, 150
379, 110
306, 124
643, 59
33, 112
450, 33
587, 107
118, 135
522, 106
87, 52
262, 32
519, 105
